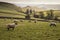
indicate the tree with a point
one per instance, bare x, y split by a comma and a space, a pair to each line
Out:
27, 14
30, 11
27, 17
27, 11
41, 15
56, 17
50, 15
36, 16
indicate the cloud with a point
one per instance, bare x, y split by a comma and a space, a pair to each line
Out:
24, 3
33, 1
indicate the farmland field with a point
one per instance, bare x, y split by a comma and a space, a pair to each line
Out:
29, 31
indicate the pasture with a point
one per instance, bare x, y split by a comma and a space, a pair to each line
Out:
29, 31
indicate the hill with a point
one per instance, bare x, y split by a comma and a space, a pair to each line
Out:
11, 10
33, 8
8, 9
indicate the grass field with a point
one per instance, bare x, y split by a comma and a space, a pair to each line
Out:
26, 30
29, 31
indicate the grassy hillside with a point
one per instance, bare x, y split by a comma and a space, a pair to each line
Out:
57, 13
8, 9
8, 6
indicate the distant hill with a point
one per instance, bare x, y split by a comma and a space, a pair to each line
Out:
33, 8
8, 9
11, 10
38, 9
9, 6
50, 6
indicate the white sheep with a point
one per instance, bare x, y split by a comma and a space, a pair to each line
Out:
52, 23
11, 25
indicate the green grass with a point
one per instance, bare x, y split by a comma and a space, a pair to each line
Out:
29, 31
10, 10
9, 13
12, 15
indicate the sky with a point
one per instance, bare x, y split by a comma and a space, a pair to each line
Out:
33, 1
38, 3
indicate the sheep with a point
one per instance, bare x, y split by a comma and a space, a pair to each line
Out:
53, 24
12, 25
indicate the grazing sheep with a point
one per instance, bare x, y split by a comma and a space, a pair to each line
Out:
12, 25
52, 23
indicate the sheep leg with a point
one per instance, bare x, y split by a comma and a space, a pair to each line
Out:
55, 25
8, 28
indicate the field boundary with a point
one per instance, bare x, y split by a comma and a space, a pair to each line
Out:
3, 17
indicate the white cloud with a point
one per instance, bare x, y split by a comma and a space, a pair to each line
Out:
34, 1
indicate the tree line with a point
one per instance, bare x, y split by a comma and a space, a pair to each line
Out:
49, 14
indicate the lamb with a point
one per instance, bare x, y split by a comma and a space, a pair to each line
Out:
12, 25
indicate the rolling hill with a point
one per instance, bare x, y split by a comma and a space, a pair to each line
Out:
33, 8
10, 10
